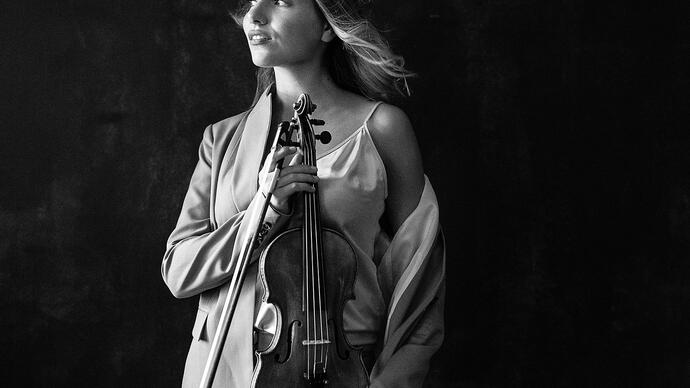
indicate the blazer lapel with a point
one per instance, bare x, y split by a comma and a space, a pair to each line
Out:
244, 182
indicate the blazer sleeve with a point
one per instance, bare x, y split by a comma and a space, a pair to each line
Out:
199, 257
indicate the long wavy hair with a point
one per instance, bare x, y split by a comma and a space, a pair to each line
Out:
359, 59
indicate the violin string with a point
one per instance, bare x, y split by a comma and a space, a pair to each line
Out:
310, 304
311, 358
319, 269
319, 273
316, 255
309, 286
310, 276
323, 290
323, 316
305, 254
312, 250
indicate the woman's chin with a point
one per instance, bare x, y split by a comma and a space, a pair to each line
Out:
262, 64
262, 61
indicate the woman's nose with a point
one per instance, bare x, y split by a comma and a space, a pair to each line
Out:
257, 14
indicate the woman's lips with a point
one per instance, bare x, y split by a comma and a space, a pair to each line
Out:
258, 38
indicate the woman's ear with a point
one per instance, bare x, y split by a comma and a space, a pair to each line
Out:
327, 34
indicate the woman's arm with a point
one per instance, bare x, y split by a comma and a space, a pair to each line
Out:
199, 256
395, 140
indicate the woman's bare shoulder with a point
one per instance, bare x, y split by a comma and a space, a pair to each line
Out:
392, 131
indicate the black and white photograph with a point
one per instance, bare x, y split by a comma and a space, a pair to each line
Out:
344, 193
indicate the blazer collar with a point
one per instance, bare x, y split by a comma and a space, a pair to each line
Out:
250, 151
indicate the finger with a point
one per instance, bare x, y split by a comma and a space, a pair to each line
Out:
299, 169
278, 153
296, 158
283, 152
292, 188
296, 177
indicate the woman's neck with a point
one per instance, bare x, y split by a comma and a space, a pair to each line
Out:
312, 79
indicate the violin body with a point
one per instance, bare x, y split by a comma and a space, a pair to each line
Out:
286, 361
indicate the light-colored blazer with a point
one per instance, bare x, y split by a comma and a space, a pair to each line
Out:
201, 255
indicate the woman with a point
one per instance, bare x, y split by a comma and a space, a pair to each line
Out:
369, 175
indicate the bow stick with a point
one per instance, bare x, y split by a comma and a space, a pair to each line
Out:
248, 245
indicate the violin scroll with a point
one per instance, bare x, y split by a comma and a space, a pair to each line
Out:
304, 105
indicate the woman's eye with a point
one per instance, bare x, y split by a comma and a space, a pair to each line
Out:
276, 2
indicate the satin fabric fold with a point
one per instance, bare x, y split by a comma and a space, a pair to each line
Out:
412, 278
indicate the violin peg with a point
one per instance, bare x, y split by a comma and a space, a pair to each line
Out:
317, 122
324, 137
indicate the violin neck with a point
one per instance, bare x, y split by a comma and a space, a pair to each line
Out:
314, 287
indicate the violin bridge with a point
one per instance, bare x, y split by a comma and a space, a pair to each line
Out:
315, 342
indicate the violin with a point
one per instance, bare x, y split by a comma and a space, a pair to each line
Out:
306, 276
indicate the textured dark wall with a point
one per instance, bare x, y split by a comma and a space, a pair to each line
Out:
550, 129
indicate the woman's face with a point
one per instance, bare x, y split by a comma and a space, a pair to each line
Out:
284, 32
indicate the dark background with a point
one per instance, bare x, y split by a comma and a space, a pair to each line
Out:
551, 131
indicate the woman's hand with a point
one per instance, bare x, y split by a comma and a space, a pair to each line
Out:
294, 176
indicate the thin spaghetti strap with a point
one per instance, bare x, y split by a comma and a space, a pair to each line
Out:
371, 112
